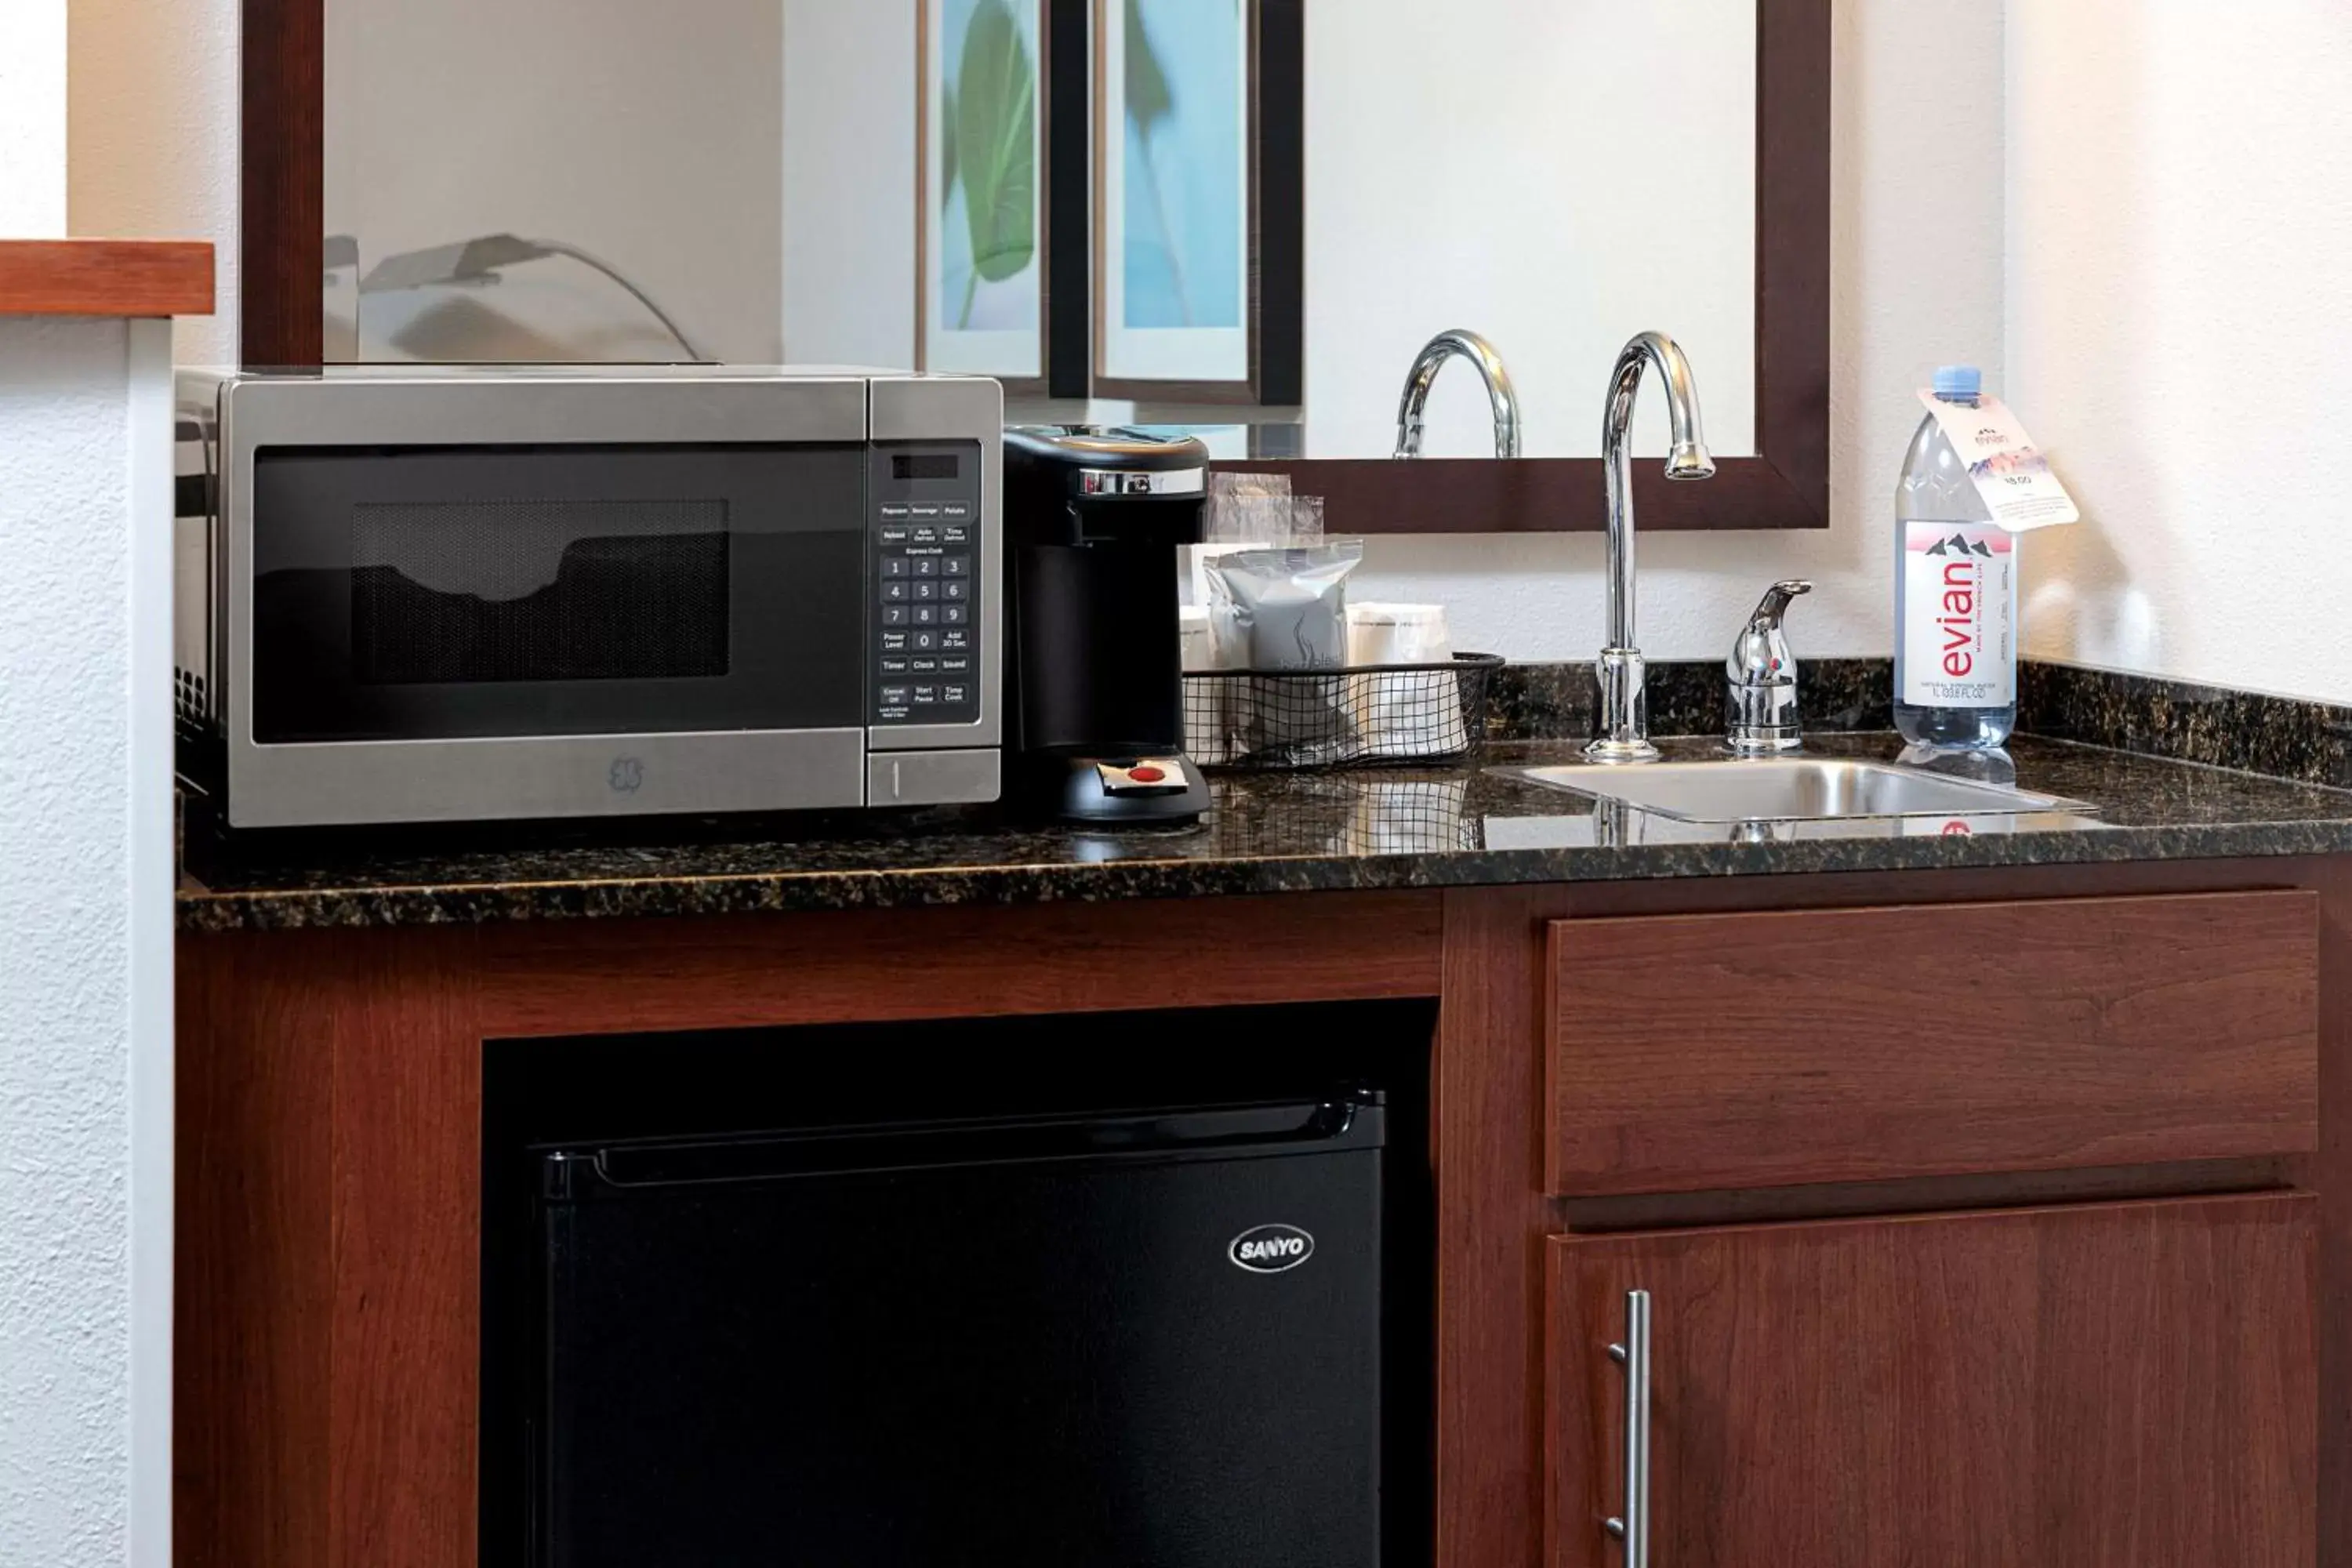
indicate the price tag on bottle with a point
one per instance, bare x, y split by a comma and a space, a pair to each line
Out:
2010, 471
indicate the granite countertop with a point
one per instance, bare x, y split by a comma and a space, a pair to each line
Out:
1267, 833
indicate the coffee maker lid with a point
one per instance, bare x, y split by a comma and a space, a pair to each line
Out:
1111, 448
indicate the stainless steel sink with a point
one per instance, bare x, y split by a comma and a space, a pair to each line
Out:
1788, 789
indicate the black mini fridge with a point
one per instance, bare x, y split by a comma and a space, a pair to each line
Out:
1143, 1339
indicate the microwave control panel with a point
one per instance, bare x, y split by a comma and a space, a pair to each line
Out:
925, 578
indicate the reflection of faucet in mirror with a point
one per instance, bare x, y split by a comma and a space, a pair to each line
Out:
1424, 375
1624, 711
480, 260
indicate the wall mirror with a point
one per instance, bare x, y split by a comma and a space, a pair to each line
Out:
1245, 217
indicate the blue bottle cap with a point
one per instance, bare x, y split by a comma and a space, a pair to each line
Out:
1958, 381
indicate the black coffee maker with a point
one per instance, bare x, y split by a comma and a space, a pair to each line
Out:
1093, 521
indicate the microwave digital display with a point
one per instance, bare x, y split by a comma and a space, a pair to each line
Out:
907, 465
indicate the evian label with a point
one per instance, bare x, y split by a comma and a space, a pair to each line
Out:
2012, 476
1956, 610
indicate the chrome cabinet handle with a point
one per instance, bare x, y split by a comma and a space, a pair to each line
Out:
1633, 1526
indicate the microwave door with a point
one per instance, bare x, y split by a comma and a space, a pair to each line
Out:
583, 630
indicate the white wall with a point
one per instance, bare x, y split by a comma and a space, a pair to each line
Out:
152, 140
117, 120
1916, 258
32, 119
86, 916
2180, 317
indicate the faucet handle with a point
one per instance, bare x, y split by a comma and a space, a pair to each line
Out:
1761, 680
1775, 605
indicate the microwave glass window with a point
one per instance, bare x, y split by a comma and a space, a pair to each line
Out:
536, 590
470, 592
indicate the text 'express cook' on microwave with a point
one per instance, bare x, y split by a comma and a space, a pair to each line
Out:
446, 594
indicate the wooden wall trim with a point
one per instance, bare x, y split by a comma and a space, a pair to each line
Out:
1539, 495
106, 277
282, 211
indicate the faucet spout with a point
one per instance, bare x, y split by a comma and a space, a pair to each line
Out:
1500, 392
1624, 711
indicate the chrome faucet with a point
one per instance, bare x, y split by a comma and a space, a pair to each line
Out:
1624, 709
1761, 701
1424, 375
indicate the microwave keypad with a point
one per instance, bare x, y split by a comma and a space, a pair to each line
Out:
926, 582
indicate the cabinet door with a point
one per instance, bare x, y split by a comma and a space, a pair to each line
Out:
2115, 1385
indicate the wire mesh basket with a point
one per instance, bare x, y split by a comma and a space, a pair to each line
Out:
1396, 715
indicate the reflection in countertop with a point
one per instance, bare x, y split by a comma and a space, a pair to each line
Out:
1268, 833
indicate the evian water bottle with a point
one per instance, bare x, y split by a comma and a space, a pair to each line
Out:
1955, 593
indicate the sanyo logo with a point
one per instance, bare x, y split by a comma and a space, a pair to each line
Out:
1271, 1248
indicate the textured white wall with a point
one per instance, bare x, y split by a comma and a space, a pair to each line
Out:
2179, 309
32, 119
85, 915
1916, 258
151, 141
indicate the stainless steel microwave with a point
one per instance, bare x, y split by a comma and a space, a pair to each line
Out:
439, 595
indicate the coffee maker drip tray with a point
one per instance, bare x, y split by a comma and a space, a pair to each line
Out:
1158, 788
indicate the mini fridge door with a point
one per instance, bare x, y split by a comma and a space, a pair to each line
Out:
1137, 1342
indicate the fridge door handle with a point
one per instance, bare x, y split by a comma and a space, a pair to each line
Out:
1346, 1119
1631, 1527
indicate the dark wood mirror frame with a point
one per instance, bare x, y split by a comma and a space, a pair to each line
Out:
1785, 485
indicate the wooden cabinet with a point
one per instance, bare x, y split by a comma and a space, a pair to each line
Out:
2118, 1383
2115, 1386
1770, 1048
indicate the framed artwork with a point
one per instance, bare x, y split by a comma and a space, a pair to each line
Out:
981, 189
1198, 137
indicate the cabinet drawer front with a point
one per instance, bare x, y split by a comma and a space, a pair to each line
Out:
1692, 1052
2113, 1385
